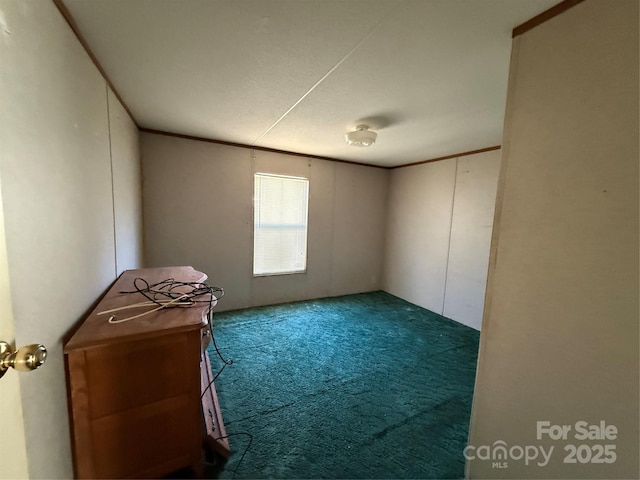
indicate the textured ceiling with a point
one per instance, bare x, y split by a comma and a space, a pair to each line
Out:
430, 76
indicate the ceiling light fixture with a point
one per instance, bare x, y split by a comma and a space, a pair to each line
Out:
361, 137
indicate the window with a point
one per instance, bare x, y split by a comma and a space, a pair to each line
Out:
280, 224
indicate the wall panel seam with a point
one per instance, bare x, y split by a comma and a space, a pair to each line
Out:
446, 270
113, 193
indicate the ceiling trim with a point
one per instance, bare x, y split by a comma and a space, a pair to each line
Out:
308, 155
66, 14
544, 16
254, 147
463, 154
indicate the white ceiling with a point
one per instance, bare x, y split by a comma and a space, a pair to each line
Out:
429, 75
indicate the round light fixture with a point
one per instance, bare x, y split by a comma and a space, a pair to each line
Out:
361, 137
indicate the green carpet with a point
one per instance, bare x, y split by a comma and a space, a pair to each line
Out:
359, 386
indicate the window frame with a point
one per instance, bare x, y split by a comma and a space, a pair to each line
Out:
253, 228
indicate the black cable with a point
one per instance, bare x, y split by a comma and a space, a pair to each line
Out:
213, 340
224, 361
189, 293
235, 470
164, 290
208, 387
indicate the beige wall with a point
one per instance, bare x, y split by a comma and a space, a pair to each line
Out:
419, 223
198, 211
13, 454
471, 227
438, 234
57, 190
127, 186
560, 332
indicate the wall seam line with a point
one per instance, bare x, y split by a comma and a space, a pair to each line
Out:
446, 271
252, 223
333, 231
113, 193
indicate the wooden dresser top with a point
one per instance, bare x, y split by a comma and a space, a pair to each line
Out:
96, 329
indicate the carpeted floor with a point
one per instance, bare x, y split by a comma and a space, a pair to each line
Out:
359, 386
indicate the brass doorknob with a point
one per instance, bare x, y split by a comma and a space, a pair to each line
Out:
23, 359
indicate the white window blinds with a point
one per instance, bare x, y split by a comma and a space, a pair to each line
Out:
280, 224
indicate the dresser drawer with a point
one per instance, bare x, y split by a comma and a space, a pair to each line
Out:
145, 436
132, 374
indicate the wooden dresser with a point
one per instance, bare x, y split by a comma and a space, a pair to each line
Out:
137, 390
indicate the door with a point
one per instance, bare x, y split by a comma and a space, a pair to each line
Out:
13, 454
